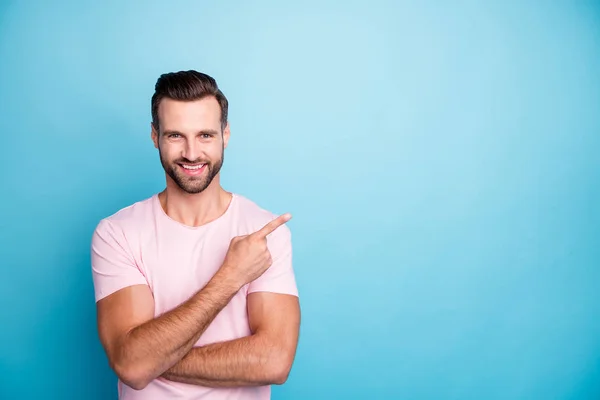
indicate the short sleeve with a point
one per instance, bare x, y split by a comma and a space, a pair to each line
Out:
113, 267
279, 277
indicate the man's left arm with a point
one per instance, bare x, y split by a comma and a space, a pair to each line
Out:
263, 358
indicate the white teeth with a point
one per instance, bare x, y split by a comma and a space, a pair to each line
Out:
193, 166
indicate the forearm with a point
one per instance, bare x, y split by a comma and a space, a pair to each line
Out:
250, 361
151, 348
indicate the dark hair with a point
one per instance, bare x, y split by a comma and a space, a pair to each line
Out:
187, 86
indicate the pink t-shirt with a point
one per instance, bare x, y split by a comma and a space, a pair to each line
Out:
141, 244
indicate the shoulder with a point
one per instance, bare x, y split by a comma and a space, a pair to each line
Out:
126, 218
251, 210
254, 216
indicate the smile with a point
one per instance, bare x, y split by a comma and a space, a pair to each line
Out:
193, 170
192, 167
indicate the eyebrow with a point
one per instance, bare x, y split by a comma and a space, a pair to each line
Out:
202, 132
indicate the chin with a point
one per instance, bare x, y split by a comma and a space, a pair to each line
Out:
196, 188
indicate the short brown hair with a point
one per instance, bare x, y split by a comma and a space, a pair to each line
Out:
187, 86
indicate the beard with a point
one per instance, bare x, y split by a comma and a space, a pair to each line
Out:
192, 184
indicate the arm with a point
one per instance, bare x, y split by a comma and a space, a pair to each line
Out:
140, 348
265, 357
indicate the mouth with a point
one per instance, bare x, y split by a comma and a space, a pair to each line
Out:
193, 169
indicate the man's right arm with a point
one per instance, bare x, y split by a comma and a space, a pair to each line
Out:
140, 347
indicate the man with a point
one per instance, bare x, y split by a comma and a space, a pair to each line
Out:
195, 290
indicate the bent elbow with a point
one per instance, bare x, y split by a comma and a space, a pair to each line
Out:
133, 377
137, 384
281, 369
280, 378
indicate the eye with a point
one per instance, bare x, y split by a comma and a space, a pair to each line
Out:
206, 136
174, 135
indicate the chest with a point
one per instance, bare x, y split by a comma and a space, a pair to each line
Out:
178, 265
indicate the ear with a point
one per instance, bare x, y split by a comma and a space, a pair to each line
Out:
154, 135
226, 134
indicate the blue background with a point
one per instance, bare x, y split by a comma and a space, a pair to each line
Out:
441, 162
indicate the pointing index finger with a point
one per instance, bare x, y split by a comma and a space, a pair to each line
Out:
274, 224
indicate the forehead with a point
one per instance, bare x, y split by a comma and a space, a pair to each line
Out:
192, 116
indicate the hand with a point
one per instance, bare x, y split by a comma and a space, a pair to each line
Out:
248, 256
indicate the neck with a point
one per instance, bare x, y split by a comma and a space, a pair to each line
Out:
194, 209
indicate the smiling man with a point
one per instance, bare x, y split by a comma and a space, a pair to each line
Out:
195, 291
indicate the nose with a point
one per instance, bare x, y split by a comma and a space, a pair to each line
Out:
191, 150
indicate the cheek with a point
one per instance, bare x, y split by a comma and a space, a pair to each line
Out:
216, 151
168, 152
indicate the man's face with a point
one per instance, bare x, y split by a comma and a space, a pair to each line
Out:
190, 142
